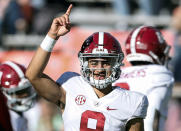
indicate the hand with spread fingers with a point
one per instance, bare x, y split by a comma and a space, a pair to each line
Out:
60, 25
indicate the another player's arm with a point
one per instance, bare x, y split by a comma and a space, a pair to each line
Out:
156, 120
43, 84
136, 124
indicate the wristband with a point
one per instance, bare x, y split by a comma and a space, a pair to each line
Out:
48, 43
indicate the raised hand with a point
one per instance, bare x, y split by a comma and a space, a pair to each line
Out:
60, 25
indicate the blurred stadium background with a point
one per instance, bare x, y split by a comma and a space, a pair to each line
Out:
87, 17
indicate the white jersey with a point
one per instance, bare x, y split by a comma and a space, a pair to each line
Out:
19, 122
154, 81
84, 110
27, 121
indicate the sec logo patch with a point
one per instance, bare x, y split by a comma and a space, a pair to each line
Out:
80, 100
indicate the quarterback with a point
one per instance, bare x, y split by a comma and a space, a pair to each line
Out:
89, 101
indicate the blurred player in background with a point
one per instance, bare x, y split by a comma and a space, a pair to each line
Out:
5, 123
19, 93
148, 53
89, 102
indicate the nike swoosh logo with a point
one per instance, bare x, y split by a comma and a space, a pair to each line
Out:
109, 109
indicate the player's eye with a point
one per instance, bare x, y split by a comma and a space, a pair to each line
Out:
106, 63
93, 63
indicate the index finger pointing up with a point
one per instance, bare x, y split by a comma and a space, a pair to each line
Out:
69, 10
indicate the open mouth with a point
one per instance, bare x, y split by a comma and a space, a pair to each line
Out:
101, 76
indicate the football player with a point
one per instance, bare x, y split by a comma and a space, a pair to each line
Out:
148, 53
19, 93
89, 102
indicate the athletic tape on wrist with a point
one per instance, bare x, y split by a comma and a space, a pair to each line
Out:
48, 43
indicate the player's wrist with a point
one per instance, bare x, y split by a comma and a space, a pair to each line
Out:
52, 35
48, 43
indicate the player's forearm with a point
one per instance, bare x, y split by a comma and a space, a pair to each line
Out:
43, 84
37, 64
